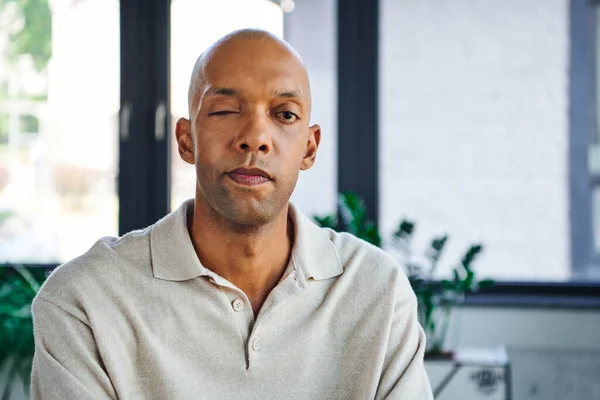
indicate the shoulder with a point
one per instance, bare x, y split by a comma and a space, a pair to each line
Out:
355, 253
370, 267
110, 262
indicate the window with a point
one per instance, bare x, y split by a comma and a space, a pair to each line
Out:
59, 98
483, 128
309, 27
475, 130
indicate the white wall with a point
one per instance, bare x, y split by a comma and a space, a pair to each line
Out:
473, 97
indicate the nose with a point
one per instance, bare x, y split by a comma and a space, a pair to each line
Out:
254, 136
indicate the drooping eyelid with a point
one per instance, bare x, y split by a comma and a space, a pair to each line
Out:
223, 103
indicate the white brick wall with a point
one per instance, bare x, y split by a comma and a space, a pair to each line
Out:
473, 97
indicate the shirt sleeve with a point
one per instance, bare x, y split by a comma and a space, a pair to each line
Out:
404, 376
66, 363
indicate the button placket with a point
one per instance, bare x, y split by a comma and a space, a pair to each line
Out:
238, 305
256, 344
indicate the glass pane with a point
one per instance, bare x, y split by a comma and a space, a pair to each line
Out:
474, 131
594, 149
309, 26
596, 207
59, 98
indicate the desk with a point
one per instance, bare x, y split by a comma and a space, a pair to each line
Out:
471, 374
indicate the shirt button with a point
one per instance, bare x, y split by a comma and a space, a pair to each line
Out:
256, 344
238, 304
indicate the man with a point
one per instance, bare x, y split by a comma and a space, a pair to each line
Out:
236, 295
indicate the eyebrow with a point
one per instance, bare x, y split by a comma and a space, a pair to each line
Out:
288, 94
224, 91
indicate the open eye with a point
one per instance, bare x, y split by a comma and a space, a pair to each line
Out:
287, 116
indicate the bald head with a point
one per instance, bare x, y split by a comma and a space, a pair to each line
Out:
249, 103
240, 44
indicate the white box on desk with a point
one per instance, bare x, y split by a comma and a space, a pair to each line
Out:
471, 374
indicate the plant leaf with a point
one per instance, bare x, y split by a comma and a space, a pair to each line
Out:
471, 255
457, 279
468, 282
352, 211
405, 230
448, 285
438, 243
18, 287
327, 221
372, 234
486, 283
33, 284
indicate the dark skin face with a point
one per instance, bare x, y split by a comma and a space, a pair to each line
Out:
251, 110
249, 137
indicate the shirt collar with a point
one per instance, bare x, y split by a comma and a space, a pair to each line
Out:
171, 248
313, 254
174, 258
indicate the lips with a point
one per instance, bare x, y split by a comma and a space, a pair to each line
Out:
249, 176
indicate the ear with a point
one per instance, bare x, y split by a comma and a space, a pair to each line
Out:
310, 154
185, 143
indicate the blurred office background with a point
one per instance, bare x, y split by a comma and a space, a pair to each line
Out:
475, 118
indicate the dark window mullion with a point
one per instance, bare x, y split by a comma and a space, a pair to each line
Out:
143, 160
358, 70
160, 188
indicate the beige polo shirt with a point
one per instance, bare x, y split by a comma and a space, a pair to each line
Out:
139, 317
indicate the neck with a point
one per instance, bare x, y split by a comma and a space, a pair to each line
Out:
251, 258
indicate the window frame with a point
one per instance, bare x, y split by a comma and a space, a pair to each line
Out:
358, 101
582, 127
143, 183
144, 127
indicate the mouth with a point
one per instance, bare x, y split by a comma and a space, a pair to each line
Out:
249, 176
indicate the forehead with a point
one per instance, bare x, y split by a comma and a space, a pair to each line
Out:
255, 68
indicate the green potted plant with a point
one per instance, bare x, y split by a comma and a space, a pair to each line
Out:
18, 287
436, 299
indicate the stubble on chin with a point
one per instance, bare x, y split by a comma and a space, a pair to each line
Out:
225, 206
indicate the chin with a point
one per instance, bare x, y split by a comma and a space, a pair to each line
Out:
245, 208
249, 212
